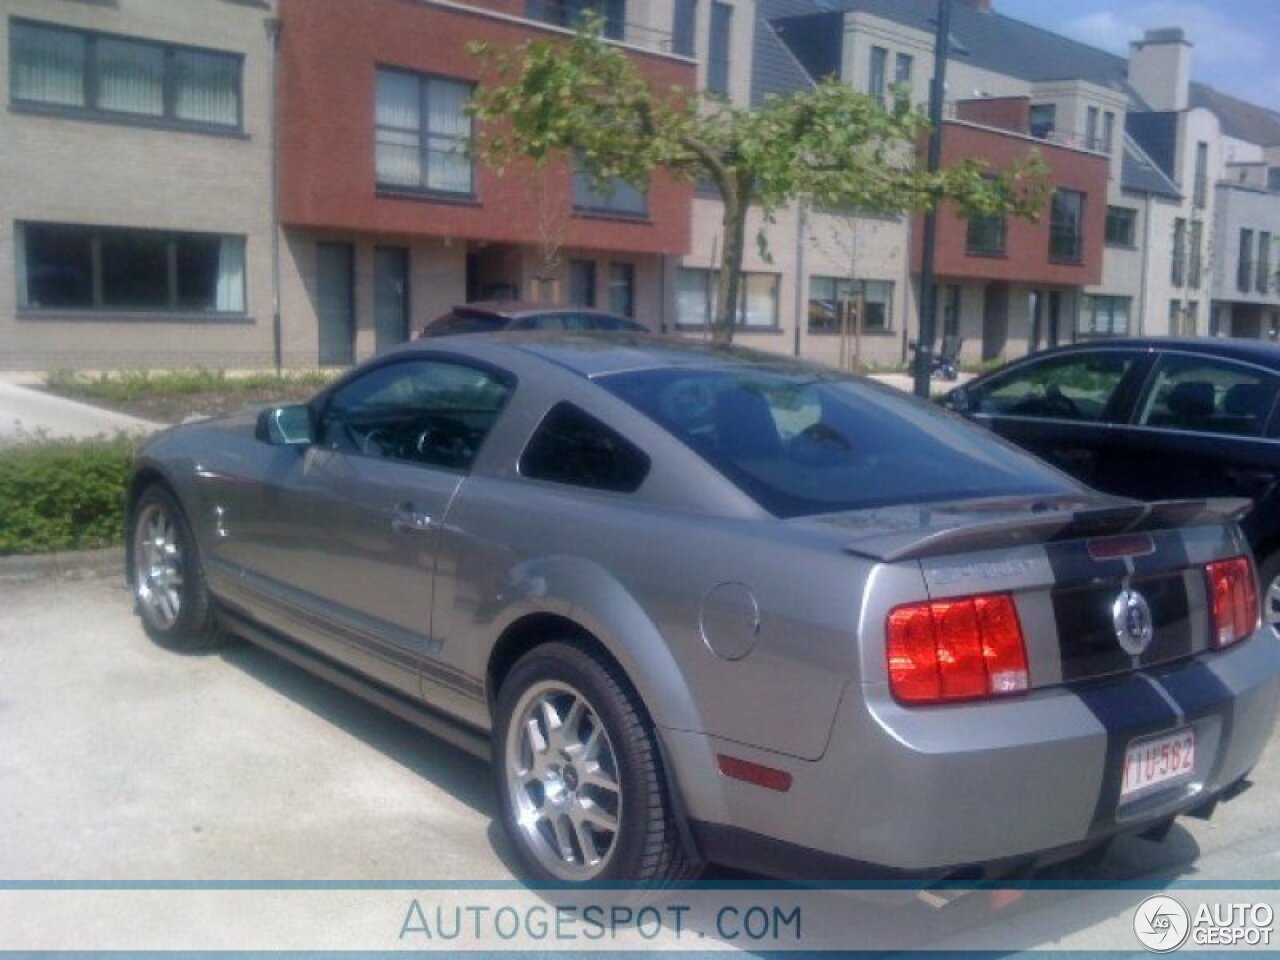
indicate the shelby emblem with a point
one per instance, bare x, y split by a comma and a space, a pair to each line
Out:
1132, 619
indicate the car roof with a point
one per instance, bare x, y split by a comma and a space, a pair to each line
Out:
593, 354
515, 309
1261, 352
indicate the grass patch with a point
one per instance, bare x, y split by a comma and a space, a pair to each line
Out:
63, 494
173, 396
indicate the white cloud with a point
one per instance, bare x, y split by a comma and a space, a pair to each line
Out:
1231, 51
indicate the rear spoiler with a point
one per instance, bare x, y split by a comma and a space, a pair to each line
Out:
1031, 528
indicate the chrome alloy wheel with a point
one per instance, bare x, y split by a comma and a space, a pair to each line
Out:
562, 780
157, 567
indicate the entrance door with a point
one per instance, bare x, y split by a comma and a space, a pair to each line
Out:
995, 320
390, 297
335, 307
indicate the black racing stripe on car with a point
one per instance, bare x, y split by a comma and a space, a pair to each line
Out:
1199, 692
1170, 551
1128, 708
1071, 562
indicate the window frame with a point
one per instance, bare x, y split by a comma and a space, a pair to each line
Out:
1127, 216
1262, 266
975, 226
590, 200
1046, 132
90, 81
857, 285
172, 308
720, 49
1178, 258
708, 275
878, 73
424, 79
1092, 305
1244, 261
1075, 254
684, 28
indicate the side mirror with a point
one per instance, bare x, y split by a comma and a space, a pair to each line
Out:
957, 400
291, 426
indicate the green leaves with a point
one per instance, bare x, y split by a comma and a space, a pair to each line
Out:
832, 145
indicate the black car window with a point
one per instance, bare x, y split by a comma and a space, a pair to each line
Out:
573, 447
1072, 387
418, 411
1208, 395
802, 442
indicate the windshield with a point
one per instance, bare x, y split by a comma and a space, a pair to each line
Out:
801, 443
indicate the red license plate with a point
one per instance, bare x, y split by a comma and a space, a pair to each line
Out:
1148, 763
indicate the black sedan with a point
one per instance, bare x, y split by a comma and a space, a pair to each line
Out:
1151, 418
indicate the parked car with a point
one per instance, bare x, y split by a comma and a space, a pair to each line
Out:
1152, 418
705, 604
495, 315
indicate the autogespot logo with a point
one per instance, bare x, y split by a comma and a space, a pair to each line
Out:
1161, 924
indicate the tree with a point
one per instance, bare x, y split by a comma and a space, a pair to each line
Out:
831, 145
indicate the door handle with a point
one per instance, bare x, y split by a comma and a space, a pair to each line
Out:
405, 519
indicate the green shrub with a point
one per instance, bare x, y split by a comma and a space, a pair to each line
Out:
63, 494
131, 385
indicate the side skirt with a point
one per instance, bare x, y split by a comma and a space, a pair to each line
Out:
461, 735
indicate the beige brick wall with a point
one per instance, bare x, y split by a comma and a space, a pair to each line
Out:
72, 170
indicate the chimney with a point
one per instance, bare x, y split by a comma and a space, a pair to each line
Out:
1160, 68
982, 6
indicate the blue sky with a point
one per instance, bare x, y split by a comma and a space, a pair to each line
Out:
1236, 42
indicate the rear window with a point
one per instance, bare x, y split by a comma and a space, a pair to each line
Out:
802, 444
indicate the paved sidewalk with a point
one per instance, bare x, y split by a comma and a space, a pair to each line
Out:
25, 412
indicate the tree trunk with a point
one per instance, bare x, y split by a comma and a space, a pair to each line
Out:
730, 280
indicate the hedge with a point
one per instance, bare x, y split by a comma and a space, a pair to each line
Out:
63, 494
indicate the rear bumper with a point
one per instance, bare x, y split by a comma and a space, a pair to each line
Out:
918, 794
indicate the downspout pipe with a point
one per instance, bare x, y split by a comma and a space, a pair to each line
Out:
273, 121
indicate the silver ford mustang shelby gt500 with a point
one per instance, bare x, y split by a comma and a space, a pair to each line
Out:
700, 604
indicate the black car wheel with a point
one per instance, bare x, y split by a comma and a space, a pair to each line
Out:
166, 575
581, 785
1269, 583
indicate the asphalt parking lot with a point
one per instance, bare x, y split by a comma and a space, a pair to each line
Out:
122, 761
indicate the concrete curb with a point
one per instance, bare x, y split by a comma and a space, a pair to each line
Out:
70, 565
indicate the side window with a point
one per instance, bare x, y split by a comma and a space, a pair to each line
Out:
1208, 395
572, 447
1075, 387
430, 412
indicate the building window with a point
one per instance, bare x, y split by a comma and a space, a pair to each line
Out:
1044, 120
569, 13
985, 236
696, 291
902, 66
1103, 316
1201, 189
1264, 262
622, 289
423, 134
1193, 254
1066, 226
876, 79
615, 196
582, 283
110, 76
1121, 222
718, 49
831, 297
1244, 265
1177, 271
1108, 132
684, 27
1091, 138
105, 268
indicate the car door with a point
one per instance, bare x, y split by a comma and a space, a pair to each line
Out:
1199, 429
348, 549
1063, 407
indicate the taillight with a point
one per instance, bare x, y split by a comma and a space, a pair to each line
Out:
1233, 598
962, 648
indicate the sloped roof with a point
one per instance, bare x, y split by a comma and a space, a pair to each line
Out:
1239, 118
774, 67
1139, 173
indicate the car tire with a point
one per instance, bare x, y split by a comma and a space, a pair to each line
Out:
1269, 588
167, 577
581, 785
